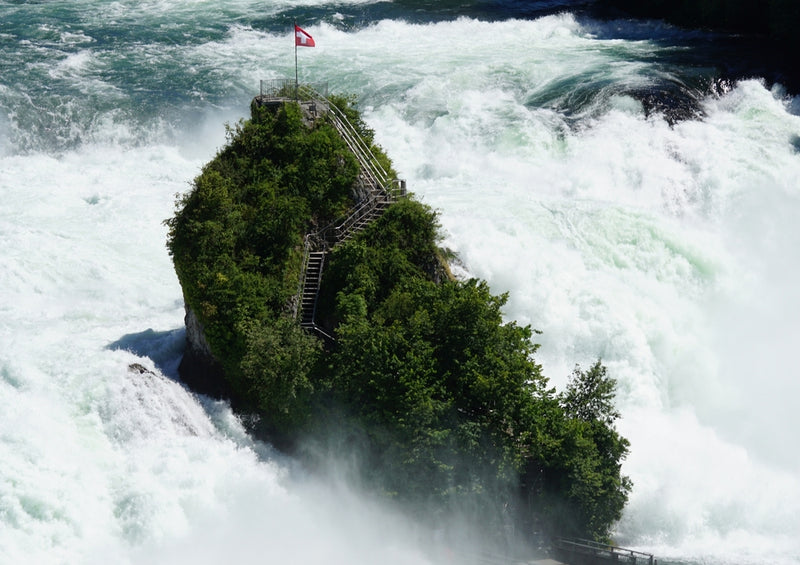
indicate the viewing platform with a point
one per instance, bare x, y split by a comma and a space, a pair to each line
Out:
565, 551
312, 99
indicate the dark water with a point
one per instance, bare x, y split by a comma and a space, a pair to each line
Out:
42, 101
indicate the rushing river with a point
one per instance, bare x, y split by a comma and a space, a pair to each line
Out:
637, 198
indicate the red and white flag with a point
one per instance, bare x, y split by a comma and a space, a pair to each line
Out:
302, 38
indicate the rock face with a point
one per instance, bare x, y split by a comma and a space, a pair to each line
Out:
199, 369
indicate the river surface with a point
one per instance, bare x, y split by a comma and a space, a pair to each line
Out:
633, 186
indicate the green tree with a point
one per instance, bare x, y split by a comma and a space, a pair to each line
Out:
589, 396
594, 490
443, 396
276, 365
439, 383
236, 237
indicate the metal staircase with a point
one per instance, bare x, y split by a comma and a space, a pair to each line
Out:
311, 280
377, 189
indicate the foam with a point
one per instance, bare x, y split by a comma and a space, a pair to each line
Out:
654, 247
667, 250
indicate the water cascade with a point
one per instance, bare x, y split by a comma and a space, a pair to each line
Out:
663, 244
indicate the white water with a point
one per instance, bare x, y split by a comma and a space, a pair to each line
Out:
668, 252
101, 464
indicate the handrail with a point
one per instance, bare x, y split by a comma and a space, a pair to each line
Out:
303, 272
280, 88
352, 139
349, 223
366, 156
603, 552
363, 153
381, 188
339, 229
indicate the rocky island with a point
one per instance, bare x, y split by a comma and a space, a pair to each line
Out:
411, 372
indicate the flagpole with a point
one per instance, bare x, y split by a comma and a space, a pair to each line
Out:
296, 83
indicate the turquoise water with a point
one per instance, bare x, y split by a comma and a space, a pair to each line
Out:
637, 205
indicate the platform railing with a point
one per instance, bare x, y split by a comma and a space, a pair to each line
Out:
587, 552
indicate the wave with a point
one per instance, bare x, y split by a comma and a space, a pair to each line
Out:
662, 243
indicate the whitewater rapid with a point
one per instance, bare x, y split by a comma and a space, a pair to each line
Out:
667, 250
101, 463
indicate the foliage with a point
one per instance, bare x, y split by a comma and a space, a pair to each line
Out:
236, 241
589, 396
590, 490
278, 359
454, 407
440, 380
443, 397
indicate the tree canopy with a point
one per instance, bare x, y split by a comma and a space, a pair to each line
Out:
442, 397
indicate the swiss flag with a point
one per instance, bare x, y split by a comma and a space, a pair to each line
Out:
302, 38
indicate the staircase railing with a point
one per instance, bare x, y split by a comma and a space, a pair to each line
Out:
382, 190
302, 282
310, 285
370, 165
